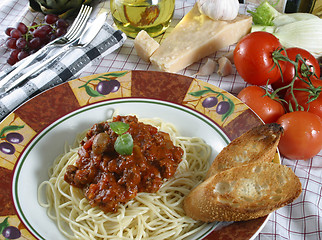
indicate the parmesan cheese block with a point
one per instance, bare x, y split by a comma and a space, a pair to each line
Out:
197, 36
145, 45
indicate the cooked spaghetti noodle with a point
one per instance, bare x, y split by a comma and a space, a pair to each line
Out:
148, 216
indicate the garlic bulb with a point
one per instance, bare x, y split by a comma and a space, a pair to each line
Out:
219, 9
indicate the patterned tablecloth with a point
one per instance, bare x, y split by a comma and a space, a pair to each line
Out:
301, 219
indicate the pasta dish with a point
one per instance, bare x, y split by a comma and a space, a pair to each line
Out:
147, 215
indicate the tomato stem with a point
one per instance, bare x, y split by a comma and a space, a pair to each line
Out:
301, 73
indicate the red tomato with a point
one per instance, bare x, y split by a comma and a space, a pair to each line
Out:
302, 138
302, 97
268, 109
253, 58
289, 71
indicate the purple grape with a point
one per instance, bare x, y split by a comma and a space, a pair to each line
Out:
223, 107
104, 87
45, 28
209, 102
22, 28
61, 23
115, 85
33, 26
11, 61
51, 18
35, 43
11, 43
14, 137
15, 33
14, 54
40, 33
60, 31
11, 232
21, 43
22, 55
8, 30
7, 148
52, 37
13, 57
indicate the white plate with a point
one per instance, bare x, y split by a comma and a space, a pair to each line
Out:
54, 118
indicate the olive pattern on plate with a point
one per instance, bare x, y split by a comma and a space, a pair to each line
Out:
9, 137
107, 83
9, 232
224, 105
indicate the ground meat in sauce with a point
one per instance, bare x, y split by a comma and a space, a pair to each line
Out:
108, 178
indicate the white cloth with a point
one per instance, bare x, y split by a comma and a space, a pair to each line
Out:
64, 68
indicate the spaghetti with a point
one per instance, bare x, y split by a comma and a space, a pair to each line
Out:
148, 216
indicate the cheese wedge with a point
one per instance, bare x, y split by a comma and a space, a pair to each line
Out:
145, 45
197, 36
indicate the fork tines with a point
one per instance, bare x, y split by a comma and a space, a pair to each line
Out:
79, 23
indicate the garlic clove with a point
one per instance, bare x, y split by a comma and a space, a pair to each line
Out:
208, 68
225, 67
230, 56
219, 9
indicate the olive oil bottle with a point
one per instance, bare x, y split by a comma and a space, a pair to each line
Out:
293, 6
132, 16
305, 6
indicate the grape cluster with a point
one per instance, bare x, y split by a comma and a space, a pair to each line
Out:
11, 138
25, 40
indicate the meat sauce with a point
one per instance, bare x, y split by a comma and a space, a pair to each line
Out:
108, 178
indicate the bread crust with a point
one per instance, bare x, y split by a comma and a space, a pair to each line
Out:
259, 144
243, 193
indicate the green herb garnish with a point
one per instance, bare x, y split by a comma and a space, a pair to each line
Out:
124, 142
119, 127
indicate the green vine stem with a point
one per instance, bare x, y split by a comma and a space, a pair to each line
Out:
305, 73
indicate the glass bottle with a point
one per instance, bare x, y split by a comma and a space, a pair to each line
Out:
132, 16
304, 6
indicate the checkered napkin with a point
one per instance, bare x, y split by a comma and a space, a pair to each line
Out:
67, 67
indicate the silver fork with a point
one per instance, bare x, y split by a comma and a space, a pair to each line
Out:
86, 38
73, 33
75, 30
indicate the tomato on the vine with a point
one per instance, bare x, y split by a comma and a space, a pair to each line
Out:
253, 58
289, 71
302, 138
268, 109
302, 97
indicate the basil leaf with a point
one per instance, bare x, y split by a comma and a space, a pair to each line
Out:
119, 127
124, 144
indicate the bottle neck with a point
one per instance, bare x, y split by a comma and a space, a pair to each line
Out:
305, 6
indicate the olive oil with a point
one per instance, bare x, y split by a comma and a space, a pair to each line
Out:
132, 16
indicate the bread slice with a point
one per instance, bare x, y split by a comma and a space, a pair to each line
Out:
243, 193
256, 145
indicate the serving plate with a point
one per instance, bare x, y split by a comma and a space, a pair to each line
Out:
36, 133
